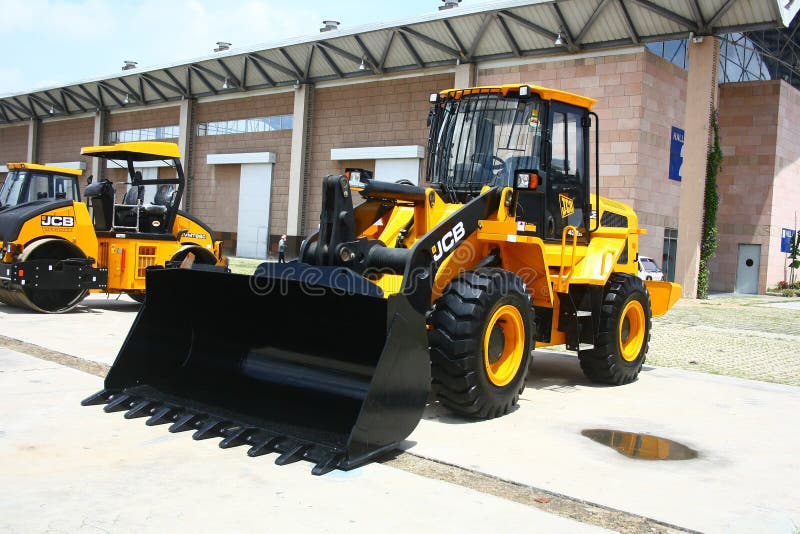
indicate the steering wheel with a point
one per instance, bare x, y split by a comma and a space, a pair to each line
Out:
498, 165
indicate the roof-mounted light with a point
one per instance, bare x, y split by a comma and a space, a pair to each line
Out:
434, 98
524, 90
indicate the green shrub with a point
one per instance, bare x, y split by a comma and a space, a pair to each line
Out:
708, 243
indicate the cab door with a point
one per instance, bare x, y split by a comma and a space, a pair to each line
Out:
566, 181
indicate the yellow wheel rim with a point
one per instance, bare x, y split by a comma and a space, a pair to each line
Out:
503, 356
631, 330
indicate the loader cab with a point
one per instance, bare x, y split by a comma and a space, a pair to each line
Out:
490, 136
29, 182
149, 206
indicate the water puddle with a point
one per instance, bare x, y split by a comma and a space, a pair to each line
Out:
641, 446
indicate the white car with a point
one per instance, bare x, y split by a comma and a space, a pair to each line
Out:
648, 270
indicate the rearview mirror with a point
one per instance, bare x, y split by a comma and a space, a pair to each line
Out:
89, 179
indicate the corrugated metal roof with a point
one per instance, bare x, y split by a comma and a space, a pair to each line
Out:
496, 30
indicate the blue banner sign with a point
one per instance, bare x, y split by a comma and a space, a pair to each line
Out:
675, 153
786, 240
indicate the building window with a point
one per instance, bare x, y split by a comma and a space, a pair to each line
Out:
244, 126
670, 251
739, 60
145, 134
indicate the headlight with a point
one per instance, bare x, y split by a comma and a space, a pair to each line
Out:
526, 179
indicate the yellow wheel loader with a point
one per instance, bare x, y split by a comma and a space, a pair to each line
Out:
55, 250
331, 358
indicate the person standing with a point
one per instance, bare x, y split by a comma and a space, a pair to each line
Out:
282, 249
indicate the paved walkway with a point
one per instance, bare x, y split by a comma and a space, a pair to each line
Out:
747, 337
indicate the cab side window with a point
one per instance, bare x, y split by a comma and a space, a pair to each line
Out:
39, 187
64, 188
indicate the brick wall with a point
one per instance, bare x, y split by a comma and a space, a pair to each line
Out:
13, 144
226, 178
384, 113
657, 198
786, 192
146, 118
748, 121
62, 140
640, 96
211, 189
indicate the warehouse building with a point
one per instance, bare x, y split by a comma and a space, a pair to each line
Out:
259, 127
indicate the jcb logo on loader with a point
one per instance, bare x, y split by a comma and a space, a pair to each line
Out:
567, 205
448, 241
56, 220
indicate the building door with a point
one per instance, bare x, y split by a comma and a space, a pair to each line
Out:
254, 197
747, 270
670, 252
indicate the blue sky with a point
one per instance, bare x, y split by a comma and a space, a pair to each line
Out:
54, 42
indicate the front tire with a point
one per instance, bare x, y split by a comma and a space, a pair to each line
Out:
47, 300
624, 335
481, 342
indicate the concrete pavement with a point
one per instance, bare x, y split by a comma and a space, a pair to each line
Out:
67, 468
743, 480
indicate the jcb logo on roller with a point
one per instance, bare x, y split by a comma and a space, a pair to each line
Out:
448, 241
56, 220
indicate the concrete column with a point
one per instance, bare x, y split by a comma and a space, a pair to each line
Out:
701, 101
33, 140
186, 127
466, 74
99, 138
297, 164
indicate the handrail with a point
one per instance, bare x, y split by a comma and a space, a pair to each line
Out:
563, 283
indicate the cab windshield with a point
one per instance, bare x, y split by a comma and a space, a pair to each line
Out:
10, 192
482, 139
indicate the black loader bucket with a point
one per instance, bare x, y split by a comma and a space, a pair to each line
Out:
309, 362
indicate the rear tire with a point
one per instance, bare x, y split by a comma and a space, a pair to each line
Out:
201, 255
481, 342
624, 335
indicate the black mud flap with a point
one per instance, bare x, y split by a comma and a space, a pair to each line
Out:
311, 363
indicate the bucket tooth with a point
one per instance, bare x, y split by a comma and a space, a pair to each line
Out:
185, 421
239, 436
265, 446
294, 454
101, 397
327, 465
141, 408
210, 429
118, 403
161, 416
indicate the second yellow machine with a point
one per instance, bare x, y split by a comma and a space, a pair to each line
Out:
56, 249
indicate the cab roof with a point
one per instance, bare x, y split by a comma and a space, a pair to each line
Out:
45, 168
513, 88
134, 151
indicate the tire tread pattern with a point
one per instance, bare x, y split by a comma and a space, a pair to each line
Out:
456, 347
604, 363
